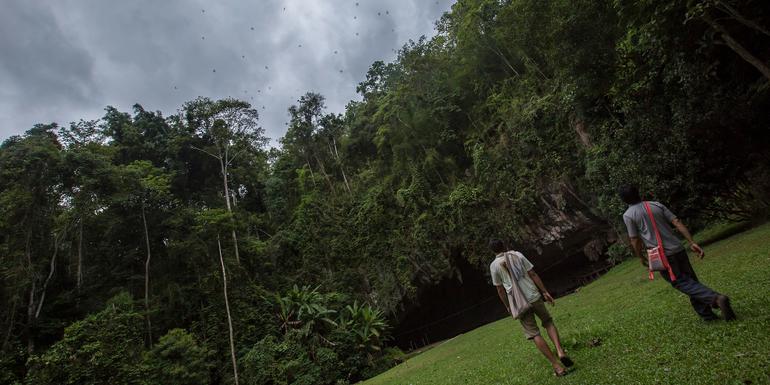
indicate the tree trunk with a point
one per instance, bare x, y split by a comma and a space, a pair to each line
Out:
31, 303
345, 178
229, 208
11, 321
323, 172
580, 128
336, 153
147, 278
503, 58
80, 255
30, 319
342, 168
333, 151
312, 176
536, 65
738, 48
50, 272
227, 308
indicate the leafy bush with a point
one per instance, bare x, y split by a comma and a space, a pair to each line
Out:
357, 363
748, 200
618, 252
288, 361
366, 324
104, 348
11, 358
319, 343
303, 307
390, 357
177, 359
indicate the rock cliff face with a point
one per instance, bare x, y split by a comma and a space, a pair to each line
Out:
566, 227
566, 243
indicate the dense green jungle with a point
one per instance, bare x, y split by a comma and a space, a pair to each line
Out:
178, 247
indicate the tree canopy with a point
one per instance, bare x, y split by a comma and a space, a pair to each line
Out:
517, 120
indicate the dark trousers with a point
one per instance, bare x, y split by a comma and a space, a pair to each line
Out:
701, 296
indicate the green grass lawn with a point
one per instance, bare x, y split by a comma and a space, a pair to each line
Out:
649, 333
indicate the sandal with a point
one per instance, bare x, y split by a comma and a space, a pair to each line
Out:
560, 374
566, 361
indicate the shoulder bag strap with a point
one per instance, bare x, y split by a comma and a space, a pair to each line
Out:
515, 264
508, 264
660, 242
516, 296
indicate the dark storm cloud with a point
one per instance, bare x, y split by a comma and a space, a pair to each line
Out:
68, 59
42, 73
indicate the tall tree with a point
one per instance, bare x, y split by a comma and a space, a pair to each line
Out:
146, 187
87, 164
30, 176
228, 130
211, 222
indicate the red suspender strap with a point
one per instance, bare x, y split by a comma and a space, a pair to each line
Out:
660, 243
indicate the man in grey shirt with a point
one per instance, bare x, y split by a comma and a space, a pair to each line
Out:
642, 237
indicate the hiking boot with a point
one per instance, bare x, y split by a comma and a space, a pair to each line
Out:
724, 305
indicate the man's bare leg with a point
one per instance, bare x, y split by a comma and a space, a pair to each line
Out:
546, 350
553, 334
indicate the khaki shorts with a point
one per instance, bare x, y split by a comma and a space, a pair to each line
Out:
528, 319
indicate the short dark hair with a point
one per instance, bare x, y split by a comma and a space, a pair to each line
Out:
496, 245
629, 194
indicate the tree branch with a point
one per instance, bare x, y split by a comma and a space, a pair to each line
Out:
206, 152
737, 47
726, 8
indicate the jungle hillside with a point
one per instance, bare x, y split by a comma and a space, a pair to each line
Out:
180, 247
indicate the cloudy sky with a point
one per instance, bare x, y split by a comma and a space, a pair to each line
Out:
65, 60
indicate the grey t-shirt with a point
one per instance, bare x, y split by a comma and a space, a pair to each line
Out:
638, 225
501, 277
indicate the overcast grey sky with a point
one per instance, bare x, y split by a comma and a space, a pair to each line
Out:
65, 60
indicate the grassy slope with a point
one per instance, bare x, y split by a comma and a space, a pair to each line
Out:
648, 331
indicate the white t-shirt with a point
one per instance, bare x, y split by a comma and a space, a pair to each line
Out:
500, 276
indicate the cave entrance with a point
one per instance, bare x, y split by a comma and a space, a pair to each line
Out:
455, 306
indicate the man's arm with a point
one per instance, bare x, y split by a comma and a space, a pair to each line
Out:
686, 234
503, 297
637, 248
539, 283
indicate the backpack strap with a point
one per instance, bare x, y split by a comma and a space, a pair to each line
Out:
660, 243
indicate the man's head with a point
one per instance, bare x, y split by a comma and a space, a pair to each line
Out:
629, 194
497, 245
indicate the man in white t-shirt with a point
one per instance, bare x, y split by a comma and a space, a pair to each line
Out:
535, 292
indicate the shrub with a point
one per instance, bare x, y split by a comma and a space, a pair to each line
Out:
618, 252
11, 360
177, 359
103, 348
288, 361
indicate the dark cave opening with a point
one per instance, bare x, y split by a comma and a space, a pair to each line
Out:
455, 306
